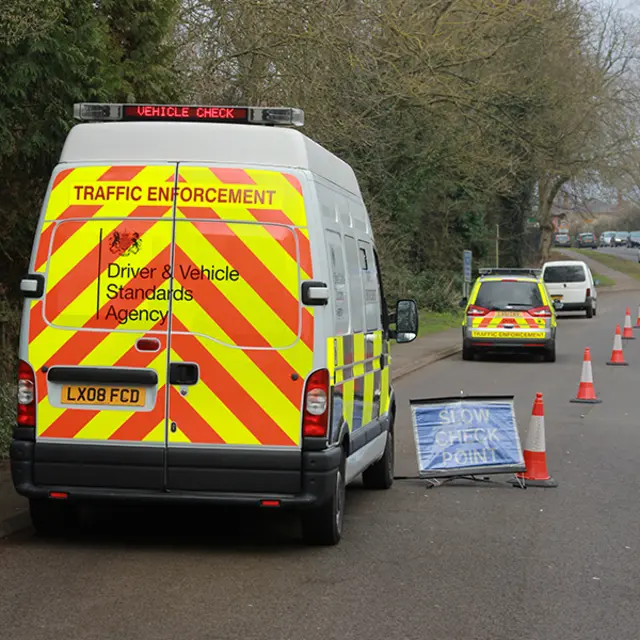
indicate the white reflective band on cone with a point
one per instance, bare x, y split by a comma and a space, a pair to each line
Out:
535, 437
587, 374
617, 342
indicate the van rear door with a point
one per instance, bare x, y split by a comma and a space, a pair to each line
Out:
567, 282
241, 341
97, 340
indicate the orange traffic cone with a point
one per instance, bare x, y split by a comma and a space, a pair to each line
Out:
637, 324
586, 390
627, 334
617, 355
535, 454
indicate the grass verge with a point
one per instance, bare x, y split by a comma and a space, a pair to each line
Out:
435, 321
628, 267
604, 281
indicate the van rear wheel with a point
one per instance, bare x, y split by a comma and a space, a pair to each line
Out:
51, 518
323, 525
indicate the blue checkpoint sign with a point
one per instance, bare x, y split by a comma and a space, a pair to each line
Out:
466, 435
466, 260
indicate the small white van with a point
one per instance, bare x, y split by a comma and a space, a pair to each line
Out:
571, 283
204, 321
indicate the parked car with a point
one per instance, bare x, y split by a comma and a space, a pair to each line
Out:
571, 283
606, 238
561, 239
634, 239
586, 240
620, 239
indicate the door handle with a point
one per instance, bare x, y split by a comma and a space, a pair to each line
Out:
183, 373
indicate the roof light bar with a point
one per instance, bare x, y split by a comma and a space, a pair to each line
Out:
504, 271
101, 112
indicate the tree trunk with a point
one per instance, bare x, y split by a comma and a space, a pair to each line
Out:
548, 190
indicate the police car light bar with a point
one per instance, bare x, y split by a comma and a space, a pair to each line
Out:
505, 271
101, 112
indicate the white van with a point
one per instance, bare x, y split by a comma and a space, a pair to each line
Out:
204, 321
571, 283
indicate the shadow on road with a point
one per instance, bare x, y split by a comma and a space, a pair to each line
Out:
186, 528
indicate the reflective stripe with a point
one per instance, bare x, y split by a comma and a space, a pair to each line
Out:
355, 367
106, 249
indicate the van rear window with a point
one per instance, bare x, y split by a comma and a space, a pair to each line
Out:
567, 273
501, 295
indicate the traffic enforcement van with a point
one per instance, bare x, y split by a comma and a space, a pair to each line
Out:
509, 309
204, 321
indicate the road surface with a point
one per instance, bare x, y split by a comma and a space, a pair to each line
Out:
622, 252
463, 562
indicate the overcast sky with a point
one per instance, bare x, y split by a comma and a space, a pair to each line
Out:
630, 5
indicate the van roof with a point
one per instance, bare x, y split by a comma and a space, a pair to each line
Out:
564, 263
241, 144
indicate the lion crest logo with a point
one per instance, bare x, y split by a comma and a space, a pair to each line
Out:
125, 243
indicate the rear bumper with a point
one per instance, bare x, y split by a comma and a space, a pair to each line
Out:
506, 344
575, 306
191, 476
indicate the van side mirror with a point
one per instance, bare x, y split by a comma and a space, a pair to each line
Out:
406, 321
596, 282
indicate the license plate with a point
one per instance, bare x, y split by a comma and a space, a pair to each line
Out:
102, 395
534, 335
556, 297
507, 314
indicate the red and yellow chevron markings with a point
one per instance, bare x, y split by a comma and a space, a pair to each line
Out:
240, 254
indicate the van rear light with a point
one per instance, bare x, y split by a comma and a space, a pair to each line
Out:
26, 395
540, 312
477, 311
315, 418
588, 293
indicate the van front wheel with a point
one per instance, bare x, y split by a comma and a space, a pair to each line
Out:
323, 525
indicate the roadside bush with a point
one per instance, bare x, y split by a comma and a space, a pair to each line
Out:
7, 416
432, 290
10, 319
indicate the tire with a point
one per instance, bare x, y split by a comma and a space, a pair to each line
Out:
467, 353
379, 475
51, 518
590, 313
550, 353
595, 311
323, 525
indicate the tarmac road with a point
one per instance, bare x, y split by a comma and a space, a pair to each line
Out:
623, 253
459, 562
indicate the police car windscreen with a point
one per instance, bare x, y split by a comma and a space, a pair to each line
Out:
566, 273
502, 294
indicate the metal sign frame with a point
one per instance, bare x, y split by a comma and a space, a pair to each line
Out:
461, 471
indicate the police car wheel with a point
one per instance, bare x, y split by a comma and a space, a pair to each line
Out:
323, 525
51, 518
380, 474
467, 353
550, 353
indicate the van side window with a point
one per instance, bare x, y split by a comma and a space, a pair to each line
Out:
371, 287
339, 283
364, 263
355, 284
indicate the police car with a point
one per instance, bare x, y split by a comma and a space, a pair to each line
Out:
509, 309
